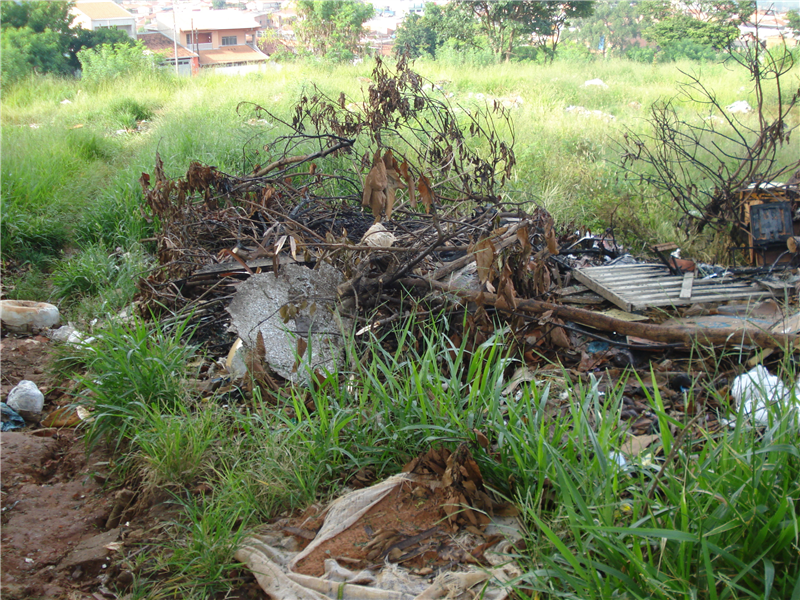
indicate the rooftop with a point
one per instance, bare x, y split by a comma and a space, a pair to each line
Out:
215, 19
102, 10
158, 42
230, 54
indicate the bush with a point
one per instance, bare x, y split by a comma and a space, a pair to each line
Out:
573, 52
687, 49
642, 55
111, 61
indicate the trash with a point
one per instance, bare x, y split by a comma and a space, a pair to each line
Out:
235, 363
757, 390
297, 304
739, 107
11, 419
26, 397
409, 526
26, 315
583, 111
378, 236
61, 334
595, 83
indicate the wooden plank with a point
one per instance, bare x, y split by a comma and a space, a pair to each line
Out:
636, 287
686, 286
573, 289
587, 280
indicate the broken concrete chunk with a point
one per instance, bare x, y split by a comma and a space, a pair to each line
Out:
298, 303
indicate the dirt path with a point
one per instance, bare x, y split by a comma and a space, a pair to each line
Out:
54, 509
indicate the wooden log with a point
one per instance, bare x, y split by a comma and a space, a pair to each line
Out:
655, 333
793, 243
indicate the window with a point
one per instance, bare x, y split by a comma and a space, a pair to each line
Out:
188, 39
229, 40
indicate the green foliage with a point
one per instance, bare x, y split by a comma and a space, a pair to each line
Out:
332, 29
135, 370
508, 23
713, 24
112, 61
611, 29
38, 38
97, 270
25, 52
793, 21
37, 15
439, 26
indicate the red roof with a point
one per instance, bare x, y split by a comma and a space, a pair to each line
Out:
158, 42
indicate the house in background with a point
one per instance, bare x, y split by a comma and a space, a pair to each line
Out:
157, 42
221, 38
94, 14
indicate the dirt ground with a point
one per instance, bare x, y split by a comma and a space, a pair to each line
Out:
53, 504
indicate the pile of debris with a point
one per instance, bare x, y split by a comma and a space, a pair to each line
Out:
407, 219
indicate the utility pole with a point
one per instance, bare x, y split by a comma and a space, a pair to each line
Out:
175, 35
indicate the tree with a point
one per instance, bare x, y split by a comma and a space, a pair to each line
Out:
331, 28
793, 22
426, 34
507, 23
611, 29
38, 37
714, 24
703, 165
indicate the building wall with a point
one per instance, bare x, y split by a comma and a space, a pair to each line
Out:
127, 25
241, 36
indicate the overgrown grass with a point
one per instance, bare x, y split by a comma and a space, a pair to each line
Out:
708, 517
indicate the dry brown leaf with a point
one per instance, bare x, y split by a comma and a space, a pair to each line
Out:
484, 258
425, 193
634, 445
550, 236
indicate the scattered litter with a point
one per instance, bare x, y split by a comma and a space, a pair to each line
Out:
11, 419
27, 397
757, 390
429, 532
293, 315
595, 83
235, 363
739, 107
378, 236
580, 110
66, 101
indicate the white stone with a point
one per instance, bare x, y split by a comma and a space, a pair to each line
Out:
26, 396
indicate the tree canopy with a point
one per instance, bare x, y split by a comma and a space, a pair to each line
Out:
613, 28
38, 37
507, 23
714, 24
330, 28
419, 35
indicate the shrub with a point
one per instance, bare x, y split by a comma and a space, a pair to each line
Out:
111, 61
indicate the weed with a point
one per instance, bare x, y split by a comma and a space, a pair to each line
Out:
135, 370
